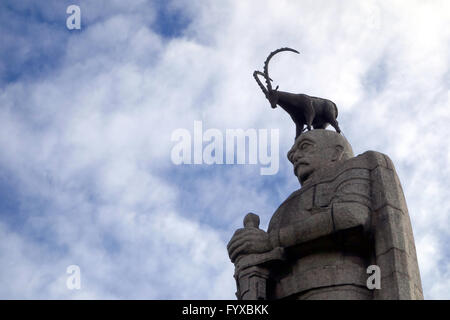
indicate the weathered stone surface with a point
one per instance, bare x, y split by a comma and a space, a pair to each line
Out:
397, 232
251, 283
398, 286
328, 269
386, 180
350, 213
345, 292
344, 215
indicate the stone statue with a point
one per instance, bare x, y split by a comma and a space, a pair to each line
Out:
303, 109
350, 213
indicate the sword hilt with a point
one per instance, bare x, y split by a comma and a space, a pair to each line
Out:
251, 220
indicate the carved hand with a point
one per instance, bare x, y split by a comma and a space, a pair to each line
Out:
249, 239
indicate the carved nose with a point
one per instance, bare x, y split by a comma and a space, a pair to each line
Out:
297, 156
293, 156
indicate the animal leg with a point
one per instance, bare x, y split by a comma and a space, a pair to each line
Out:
335, 125
298, 129
320, 125
309, 114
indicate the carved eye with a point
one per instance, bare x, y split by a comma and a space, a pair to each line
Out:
305, 146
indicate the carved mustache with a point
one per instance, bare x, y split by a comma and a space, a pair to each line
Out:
299, 163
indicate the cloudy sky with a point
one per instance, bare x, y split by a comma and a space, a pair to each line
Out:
86, 119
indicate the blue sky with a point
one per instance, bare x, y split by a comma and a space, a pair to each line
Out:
86, 117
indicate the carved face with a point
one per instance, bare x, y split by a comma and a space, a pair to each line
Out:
312, 152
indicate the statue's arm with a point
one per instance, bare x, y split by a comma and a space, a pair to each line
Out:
326, 221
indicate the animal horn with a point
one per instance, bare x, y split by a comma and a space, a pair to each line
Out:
262, 74
255, 75
266, 65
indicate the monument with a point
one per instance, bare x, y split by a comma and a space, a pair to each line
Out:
345, 234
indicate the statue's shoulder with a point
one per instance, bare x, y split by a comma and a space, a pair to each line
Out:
373, 159
361, 165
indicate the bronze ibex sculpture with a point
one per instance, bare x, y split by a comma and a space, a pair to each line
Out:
303, 109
